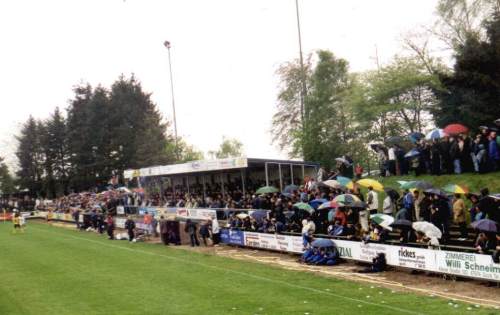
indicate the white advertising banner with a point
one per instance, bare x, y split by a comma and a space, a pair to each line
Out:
196, 214
467, 265
190, 167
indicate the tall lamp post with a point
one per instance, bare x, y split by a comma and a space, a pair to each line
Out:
167, 45
302, 70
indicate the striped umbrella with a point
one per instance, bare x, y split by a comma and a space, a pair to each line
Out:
328, 205
456, 189
383, 220
346, 199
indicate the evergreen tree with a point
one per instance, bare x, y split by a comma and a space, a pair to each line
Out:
30, 156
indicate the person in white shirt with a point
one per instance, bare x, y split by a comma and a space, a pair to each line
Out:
215, 232
372, 200
388, 206
392, 160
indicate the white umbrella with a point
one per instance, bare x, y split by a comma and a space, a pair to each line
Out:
242, 215
429, 229
332, 183
435, 134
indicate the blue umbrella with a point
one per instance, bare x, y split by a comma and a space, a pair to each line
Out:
416, 136
413, 153
323, 243
259, 215
485, 225
316, 203
290, 188
435, 134
287, 195
343, 180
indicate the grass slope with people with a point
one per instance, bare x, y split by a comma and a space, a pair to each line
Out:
475, 182
51, 270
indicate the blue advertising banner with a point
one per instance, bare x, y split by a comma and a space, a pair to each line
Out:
234, 237
150, 210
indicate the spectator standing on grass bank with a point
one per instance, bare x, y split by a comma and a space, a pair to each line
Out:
130, 227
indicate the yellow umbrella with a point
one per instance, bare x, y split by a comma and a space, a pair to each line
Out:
367, 182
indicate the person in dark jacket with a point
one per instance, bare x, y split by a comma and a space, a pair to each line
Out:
191, 229
130, 227
205, 232
110, 227
435, 158
164, 230
446, 160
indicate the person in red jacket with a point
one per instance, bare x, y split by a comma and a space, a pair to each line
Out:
110, 226
358, 171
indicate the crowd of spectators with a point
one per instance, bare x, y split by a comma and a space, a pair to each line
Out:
449, 154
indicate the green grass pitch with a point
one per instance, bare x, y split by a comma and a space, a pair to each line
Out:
51, 270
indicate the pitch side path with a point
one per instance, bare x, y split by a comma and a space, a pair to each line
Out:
51, 270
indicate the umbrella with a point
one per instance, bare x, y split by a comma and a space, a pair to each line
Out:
415, 136
367, 182
304, 206
485, 225
408, 184
328, 205
391, 193
288, 214
344, 181
412, 153
394, 140
346, 199
316, 203
343, 161
358, 205
242, 215
496, 196
401, 223
402, 182
322, 243
383, 220
266, 190
331, 214
456, 189
332, 183
435, 191
259, 215
287, 195
435, 134
455, 129
423, 185
125, 190
290, 188
429, 229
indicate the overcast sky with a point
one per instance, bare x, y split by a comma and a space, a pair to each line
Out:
224, 55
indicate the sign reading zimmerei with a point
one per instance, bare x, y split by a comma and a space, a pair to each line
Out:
454, 263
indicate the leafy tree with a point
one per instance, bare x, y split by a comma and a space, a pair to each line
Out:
6, 179
397, 98
287, 122
56, 150
472, 91
228, 148
185, 151
30, 156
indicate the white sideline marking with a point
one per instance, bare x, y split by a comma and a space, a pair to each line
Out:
402, 310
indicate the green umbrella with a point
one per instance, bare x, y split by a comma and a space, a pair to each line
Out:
267, 190
304, 206
409, 185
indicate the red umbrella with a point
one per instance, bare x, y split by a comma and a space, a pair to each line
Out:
455, 129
